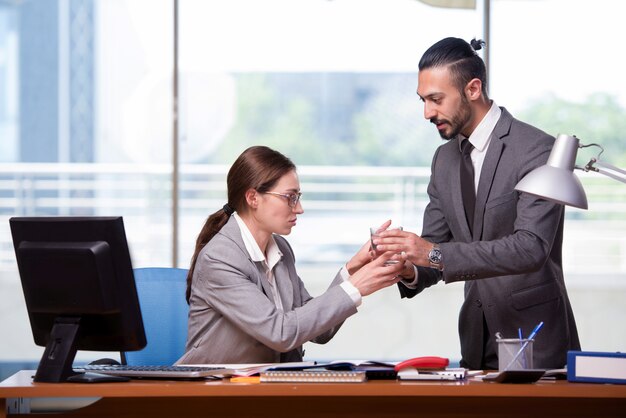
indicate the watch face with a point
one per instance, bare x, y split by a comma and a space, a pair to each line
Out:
434, 256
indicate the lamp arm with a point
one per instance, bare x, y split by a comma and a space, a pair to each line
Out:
614, 172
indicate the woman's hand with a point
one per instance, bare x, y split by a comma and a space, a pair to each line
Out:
377, 274
365, 254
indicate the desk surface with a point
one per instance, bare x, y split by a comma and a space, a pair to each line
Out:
373, 398
21, 385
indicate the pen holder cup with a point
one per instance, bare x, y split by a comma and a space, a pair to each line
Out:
515, 354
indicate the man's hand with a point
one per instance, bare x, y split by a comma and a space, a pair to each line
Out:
410, 246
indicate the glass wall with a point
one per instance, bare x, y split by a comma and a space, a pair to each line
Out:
557, 64
85, 100
86, 128
332, 84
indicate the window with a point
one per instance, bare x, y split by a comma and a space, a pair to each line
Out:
86, 121
564, 77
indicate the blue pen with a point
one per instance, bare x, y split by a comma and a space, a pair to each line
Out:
519, 334
535, 330
521, 350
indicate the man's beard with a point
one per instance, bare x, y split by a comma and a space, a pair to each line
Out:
458, 121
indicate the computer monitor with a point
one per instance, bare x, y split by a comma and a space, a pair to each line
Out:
79, 287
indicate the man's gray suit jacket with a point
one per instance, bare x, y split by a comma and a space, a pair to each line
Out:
511, 264
233, 317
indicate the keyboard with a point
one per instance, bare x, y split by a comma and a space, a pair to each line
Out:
157, 372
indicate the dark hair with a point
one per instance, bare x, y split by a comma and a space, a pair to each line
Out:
257, 168
461, 58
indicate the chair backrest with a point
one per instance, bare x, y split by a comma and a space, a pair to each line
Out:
164, 310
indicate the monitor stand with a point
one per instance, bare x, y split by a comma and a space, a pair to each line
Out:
56, 363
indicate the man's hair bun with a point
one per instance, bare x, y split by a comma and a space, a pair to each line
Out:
477, 44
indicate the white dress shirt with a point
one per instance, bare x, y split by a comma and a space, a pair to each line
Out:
273, 257
480, 139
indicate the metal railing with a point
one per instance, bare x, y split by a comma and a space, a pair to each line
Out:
340, 203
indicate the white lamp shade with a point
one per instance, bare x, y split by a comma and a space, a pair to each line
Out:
556, 180
555, 184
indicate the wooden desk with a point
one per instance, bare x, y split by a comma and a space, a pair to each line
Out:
371, 399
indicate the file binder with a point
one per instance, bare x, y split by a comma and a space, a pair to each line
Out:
596, 367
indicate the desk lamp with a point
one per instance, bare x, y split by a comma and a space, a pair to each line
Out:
556, 181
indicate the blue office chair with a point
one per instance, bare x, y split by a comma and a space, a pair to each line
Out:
164, 310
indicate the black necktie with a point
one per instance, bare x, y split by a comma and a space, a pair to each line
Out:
467, 182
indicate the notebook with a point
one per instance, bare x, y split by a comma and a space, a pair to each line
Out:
158, 372
312, 376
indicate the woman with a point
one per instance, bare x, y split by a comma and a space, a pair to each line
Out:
247, 303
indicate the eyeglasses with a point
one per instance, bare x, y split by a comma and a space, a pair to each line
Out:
292, 198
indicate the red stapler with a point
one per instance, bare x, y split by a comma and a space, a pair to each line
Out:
426, 362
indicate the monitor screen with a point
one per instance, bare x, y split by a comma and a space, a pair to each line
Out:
79, 288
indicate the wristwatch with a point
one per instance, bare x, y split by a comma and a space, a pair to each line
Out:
435, 257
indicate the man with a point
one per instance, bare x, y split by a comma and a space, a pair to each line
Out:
505, 245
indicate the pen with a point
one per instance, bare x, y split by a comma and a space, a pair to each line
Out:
521, 350
535, 330
520, 335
